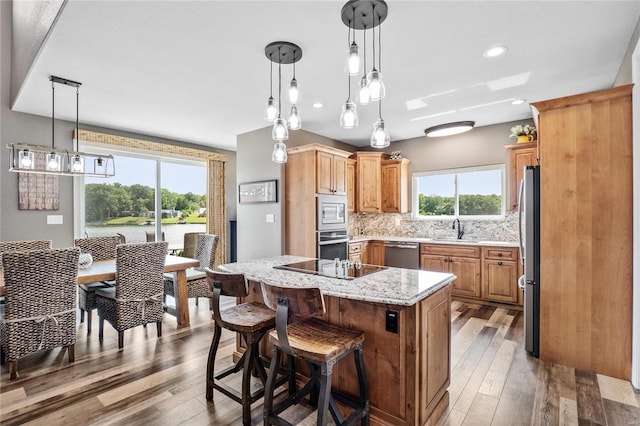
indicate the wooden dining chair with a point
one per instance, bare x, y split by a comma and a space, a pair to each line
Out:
197, 285
100, 248
136, 298
40, 306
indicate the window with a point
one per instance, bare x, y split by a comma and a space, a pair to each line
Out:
475, 192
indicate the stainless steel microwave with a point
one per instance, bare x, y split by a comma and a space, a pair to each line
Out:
332, 212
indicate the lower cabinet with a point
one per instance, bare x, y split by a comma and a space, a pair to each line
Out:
356, 252
500, 275
375, 253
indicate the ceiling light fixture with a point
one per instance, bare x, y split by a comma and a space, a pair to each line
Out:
494, 51
284, 52
362, 15
449, 129
518, 102
25, 158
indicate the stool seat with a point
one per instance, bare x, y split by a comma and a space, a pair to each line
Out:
248, 318
319, 341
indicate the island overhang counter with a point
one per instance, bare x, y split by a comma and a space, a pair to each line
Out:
405, 315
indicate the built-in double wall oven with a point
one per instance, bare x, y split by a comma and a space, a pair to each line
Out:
331, 227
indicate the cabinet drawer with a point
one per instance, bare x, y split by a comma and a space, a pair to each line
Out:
450, 250
500, 253
355, 248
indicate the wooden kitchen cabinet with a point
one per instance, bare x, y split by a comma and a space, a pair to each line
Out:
351, 185
462, 261
395, 185
331, 173
520, 155
500, 275
369, 181
375, 253
355, 252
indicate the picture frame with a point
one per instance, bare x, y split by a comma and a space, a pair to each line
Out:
262, 191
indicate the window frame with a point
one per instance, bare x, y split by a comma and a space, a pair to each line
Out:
415, 177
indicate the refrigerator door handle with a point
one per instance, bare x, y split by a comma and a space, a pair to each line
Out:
521, 282
520, 213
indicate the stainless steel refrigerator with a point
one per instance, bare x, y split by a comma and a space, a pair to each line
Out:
529, 224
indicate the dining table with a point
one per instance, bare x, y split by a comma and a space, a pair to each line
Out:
105, 270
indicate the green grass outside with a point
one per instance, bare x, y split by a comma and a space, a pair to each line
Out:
142, 220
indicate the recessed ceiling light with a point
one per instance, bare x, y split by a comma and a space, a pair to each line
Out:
518, 102
449, 129
318, 105
494, 51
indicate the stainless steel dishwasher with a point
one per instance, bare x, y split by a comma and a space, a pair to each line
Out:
402, 254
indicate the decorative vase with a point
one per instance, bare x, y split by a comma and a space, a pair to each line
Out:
525, 138
85, 260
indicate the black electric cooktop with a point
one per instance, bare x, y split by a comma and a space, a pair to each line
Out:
328, 268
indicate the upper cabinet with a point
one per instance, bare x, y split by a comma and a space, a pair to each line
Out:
369, 181
395, 185
331, 172
520, 155
351, 185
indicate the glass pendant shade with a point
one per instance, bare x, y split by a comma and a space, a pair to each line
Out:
349, 115
353, 60
364, 94
376, 85
294, 93
271, 111
279, 153
26, 159
280, 131
380, 137
295, 123
54, 162
77, 164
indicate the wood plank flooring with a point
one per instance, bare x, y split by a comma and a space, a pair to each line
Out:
161, 381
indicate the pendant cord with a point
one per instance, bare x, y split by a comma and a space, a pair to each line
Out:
364, 48
294, 64
349, 50
271, 77
53, 114
379, 45
77, 122
279, 85
373, 30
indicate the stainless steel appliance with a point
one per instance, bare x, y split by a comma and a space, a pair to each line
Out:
529, 224
332, 213
332, 244
331, 268
402, 254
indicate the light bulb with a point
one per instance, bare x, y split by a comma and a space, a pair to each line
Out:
26, 159
376, 85
349, 115
77, 164
294, 93
279, 153
53, 162
353, 60
380, 137
280, 131
364, 94
295, 123
271, 111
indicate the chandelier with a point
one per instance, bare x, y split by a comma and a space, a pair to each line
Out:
282, 52
27, 158
364, 15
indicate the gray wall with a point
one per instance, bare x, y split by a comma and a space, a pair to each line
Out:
256, 237
26, 128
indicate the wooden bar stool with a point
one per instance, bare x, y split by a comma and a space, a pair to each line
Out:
252, 321
321, 344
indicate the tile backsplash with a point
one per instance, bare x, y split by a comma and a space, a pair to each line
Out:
402, 225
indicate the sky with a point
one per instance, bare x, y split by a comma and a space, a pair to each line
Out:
178, 178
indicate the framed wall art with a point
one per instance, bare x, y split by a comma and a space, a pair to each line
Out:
264, 191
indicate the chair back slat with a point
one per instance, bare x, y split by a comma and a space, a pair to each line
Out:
231, 284
24, 245
206, 250
139, 269
100, 248
304, 302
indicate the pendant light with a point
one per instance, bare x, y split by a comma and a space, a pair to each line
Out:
271, 111
352, 64
363, 94
53, 162
77, 161
380, 137
377, 89
349, 114
284, 52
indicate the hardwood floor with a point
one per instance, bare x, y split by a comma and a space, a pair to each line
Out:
161, 381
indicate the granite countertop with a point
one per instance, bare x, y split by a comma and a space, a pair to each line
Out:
394, 286
469, 242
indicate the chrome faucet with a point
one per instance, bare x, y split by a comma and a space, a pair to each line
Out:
460, 227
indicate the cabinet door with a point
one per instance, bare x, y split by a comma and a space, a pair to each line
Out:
369, 184
436, 263
339, 175
351, 185
324, 179
468, 272
391, 188
518, 160
436, 333
500, 281
375, 253
354, 257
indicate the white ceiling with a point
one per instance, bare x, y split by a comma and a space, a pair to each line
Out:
196, 71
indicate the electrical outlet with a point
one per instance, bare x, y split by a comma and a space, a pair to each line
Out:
392, 322
270, 218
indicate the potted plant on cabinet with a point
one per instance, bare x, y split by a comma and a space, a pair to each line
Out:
524, 133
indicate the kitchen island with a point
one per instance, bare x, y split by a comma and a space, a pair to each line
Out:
405, 315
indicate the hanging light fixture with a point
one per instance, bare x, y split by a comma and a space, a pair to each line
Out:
377, 89
271, 111
284, 52
349, 114
363, 94
25, 158
380, 137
